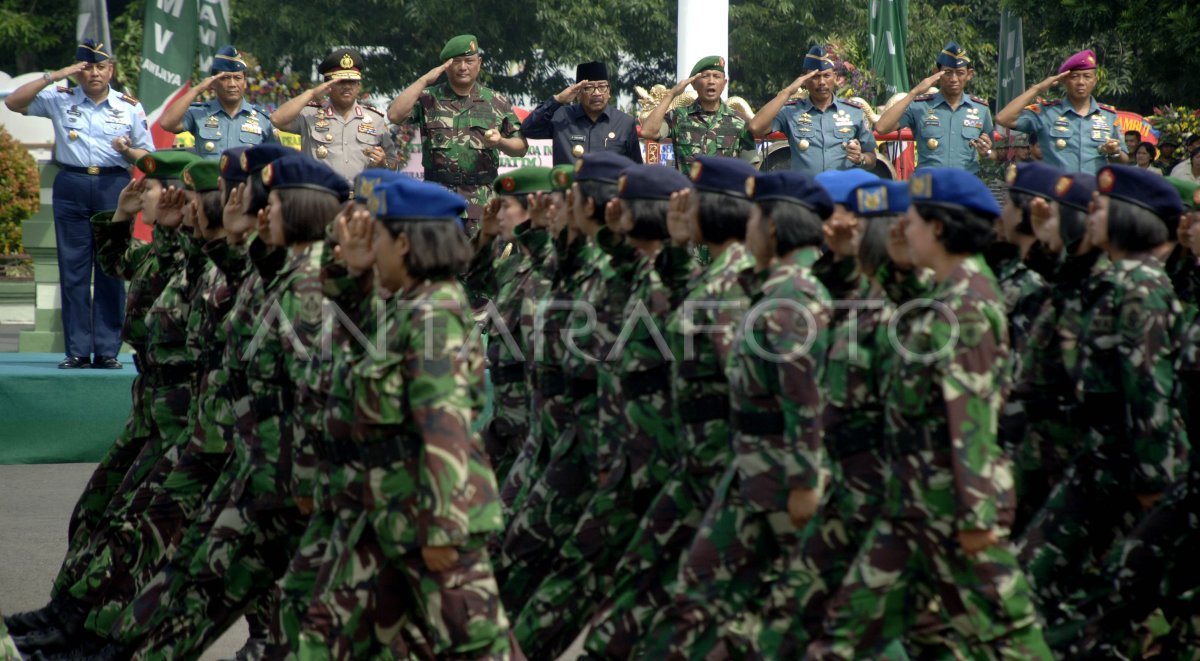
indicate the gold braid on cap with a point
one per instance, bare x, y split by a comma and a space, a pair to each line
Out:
958, 56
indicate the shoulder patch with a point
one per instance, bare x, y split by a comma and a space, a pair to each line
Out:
793, 102
1052, 103
1105, 106
129, 99
923, 97
977, 99
373, 109
313, 104
851, 102
64, 90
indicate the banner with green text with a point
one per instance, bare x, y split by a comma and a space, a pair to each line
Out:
214, 30
168, 55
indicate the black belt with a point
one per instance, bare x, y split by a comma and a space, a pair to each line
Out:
336, 451
709, 407
461, 178
382, 454
640, 384
93, 169
580, 388
510, 373
911, 441
766, 423
551, 383
844, 442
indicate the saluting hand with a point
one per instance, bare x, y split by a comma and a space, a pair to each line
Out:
897, 245
170, 208
489, 224
927, 84
570, 93
841, 235
679, 217
130, 201
541, 207
682, 86
1044, 221
612, 216
799, 82
356, 234
210, 81
68, 71
436, 72
234, 218
1051, 81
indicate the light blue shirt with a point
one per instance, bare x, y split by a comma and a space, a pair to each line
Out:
93, 126
950, 130
818, 138
215, 131
1070, 141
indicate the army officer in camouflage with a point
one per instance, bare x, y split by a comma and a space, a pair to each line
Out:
952, 129
464, 125
342, 133
708, 127
225, 121
824, 132
588, 126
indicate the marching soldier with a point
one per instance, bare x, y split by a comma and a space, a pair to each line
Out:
952, 129
225, 121
1076, 134
342, 133
707, 127
588, 127
464, 125
824, 132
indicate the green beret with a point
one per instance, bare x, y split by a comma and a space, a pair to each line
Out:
166, 164
564, 176
1189, 192
522, 181
463, 44
710, 63
201, 176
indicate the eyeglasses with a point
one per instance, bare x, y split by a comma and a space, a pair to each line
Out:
592, 89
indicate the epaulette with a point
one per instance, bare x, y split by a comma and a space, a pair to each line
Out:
373, 109
852, 103
198, 104
792, 102
1052, 103
315, 104
129, 99
976, 99
1105, 106
924, 97
64, 90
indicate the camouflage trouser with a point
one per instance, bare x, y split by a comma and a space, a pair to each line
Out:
1064, 547
1038, 466
382, 602
581, 575
545, 519
8, 650
503, 445
645, 577
525, 471
477, 198
736, 555
985, 596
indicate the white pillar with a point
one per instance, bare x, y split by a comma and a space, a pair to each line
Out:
703, 31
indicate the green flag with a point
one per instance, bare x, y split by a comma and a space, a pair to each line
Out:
1011, 81
889, 27
168, 56
214, 31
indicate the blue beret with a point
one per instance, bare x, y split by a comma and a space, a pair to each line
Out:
839, 183
817, 60
650, 182
256, 158
1075, 190
602, 166
1140, 187
405, 198
721, 174
227, 59
302, 171
790, 186
951, 187
879, 198
953, 56
1034, 177
368, 179
91, 52
231, 165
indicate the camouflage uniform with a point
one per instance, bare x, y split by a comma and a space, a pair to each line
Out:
747, 536
646, 575
635, 417
1134, 440
948, 474
8, 650
427, 484
694, 132
452, 150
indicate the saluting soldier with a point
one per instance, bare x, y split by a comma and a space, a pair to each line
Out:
708, 127
589, 126
464, 125
225, 121
342, 133
824, 132
1076, 134
97, 134
952, 129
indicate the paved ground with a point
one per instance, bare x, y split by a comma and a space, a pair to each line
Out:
35, 504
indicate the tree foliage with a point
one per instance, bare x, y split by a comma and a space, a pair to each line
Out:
20, 191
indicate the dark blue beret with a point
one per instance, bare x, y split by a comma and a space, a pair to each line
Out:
91, 52
839, 183
1034, 177
602, 166
1140, 187
302, 171
951, 187
227, 59
650, 182
231, 165
256, 158
953, 56
879, 198
721, 174
1075, 190
405, 198
817, 60
368, 179
790, 186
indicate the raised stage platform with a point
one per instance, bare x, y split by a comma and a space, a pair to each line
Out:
48, 415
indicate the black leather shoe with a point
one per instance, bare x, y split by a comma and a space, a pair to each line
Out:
45, 641
19, 624
74, 363
106, 363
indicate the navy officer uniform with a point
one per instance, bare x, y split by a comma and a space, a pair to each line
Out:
818, 138
214, 130
945, 134
90, 179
